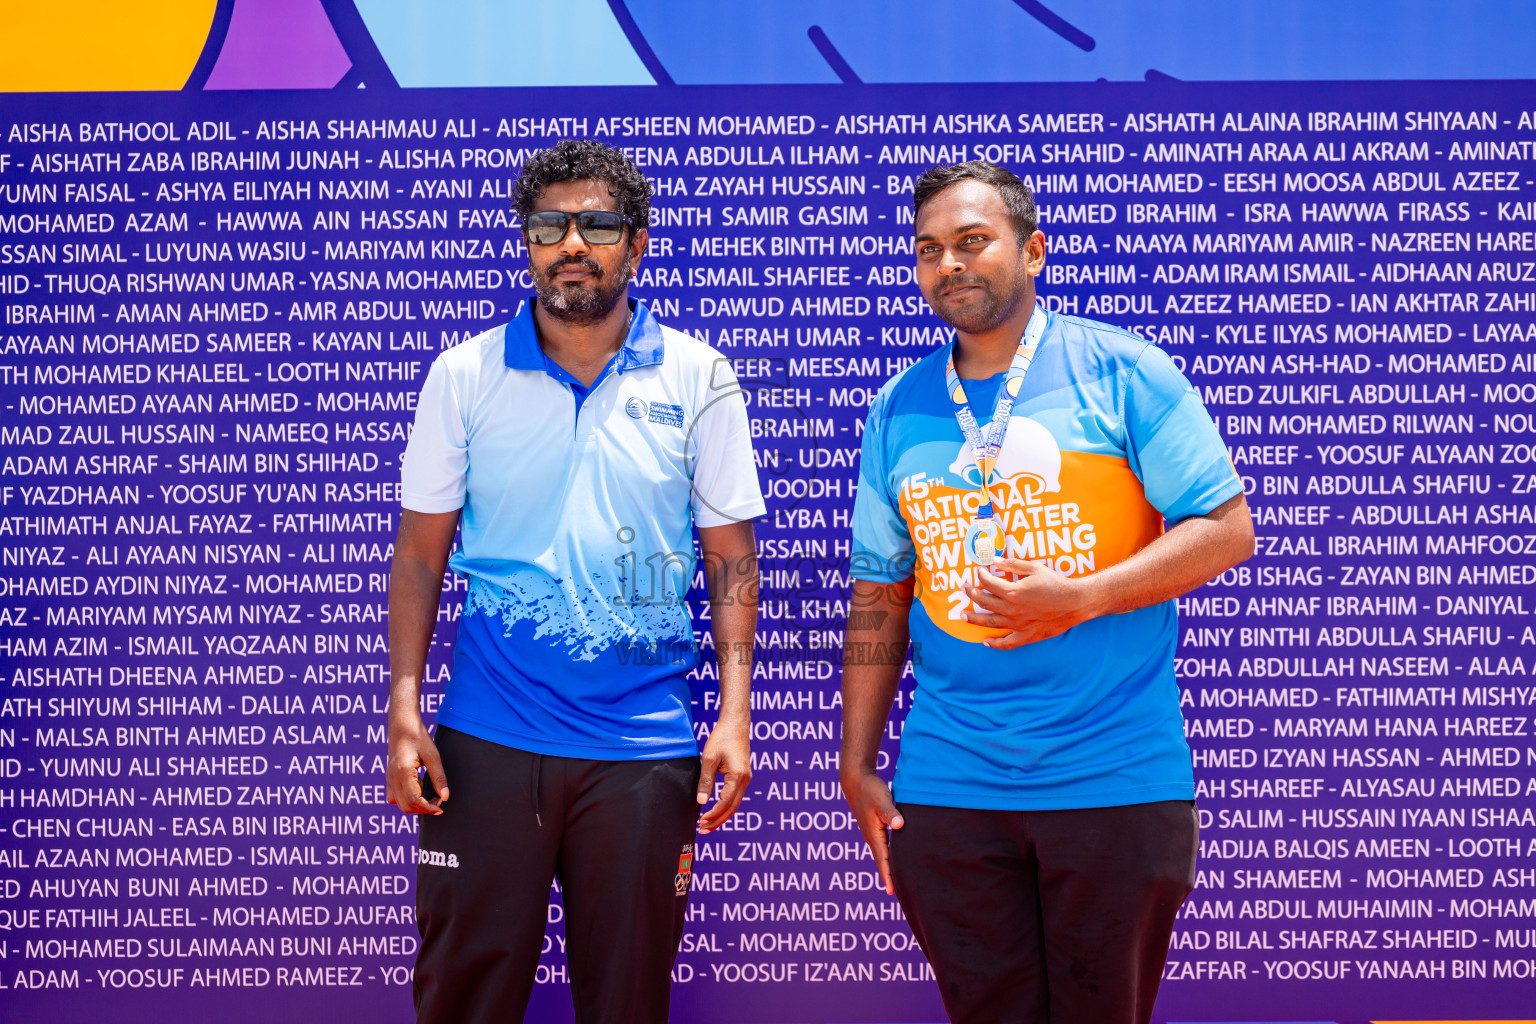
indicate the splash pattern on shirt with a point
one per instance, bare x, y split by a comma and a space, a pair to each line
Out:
580, 621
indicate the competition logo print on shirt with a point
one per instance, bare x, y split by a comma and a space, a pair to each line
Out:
1074, 511
1096, 517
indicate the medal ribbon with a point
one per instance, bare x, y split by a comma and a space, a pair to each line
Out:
986, 452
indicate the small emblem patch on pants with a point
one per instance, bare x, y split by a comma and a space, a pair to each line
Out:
684, 876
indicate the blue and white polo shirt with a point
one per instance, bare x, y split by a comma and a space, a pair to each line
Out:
577, 531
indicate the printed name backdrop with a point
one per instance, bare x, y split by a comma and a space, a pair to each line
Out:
218, 310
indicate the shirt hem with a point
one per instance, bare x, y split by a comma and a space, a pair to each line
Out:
1065, 802
554, 748
729, 517
1213, 499
431, 506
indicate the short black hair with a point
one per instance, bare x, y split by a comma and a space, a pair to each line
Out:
581, 160
1016, 195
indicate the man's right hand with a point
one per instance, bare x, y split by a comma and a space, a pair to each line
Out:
411, 747
873, 808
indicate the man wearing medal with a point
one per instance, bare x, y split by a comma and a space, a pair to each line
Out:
1041, 830
578, 447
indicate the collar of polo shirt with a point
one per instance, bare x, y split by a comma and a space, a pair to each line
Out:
642, 344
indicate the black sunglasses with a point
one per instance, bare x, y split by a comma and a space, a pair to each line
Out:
598, 227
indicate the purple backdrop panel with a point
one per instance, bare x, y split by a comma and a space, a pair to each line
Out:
217, 308
279, 44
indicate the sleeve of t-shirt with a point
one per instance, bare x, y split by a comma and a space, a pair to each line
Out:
432, 474
1173, 446
725, 488
882, 549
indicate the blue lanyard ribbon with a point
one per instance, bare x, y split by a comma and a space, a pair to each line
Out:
986, 451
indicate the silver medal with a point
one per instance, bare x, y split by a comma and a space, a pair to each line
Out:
982, 541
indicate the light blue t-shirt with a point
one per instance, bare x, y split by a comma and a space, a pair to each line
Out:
1107, 440
577, 531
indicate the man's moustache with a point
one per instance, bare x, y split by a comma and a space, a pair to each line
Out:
573, 261
961, 282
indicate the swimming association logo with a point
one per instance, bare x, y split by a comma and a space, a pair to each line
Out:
666, 415
637, 408
1030, 459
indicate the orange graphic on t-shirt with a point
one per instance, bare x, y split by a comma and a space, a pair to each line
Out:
1090, 513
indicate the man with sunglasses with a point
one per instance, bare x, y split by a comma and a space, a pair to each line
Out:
577, 446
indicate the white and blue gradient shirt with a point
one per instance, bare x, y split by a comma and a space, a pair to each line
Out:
577, 531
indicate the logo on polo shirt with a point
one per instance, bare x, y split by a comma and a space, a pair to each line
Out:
666, 415
655, 412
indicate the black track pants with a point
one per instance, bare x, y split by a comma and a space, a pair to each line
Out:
611, 831
1045, 917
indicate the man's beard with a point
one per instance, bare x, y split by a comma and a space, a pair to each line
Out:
580, 304
985, 308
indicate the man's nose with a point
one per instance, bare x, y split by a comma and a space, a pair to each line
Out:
951, 263
573, 244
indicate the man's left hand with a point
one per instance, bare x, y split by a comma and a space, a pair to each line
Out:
1040, 604
729, 752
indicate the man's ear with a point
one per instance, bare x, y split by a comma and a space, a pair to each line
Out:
1034, 251
637, 243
